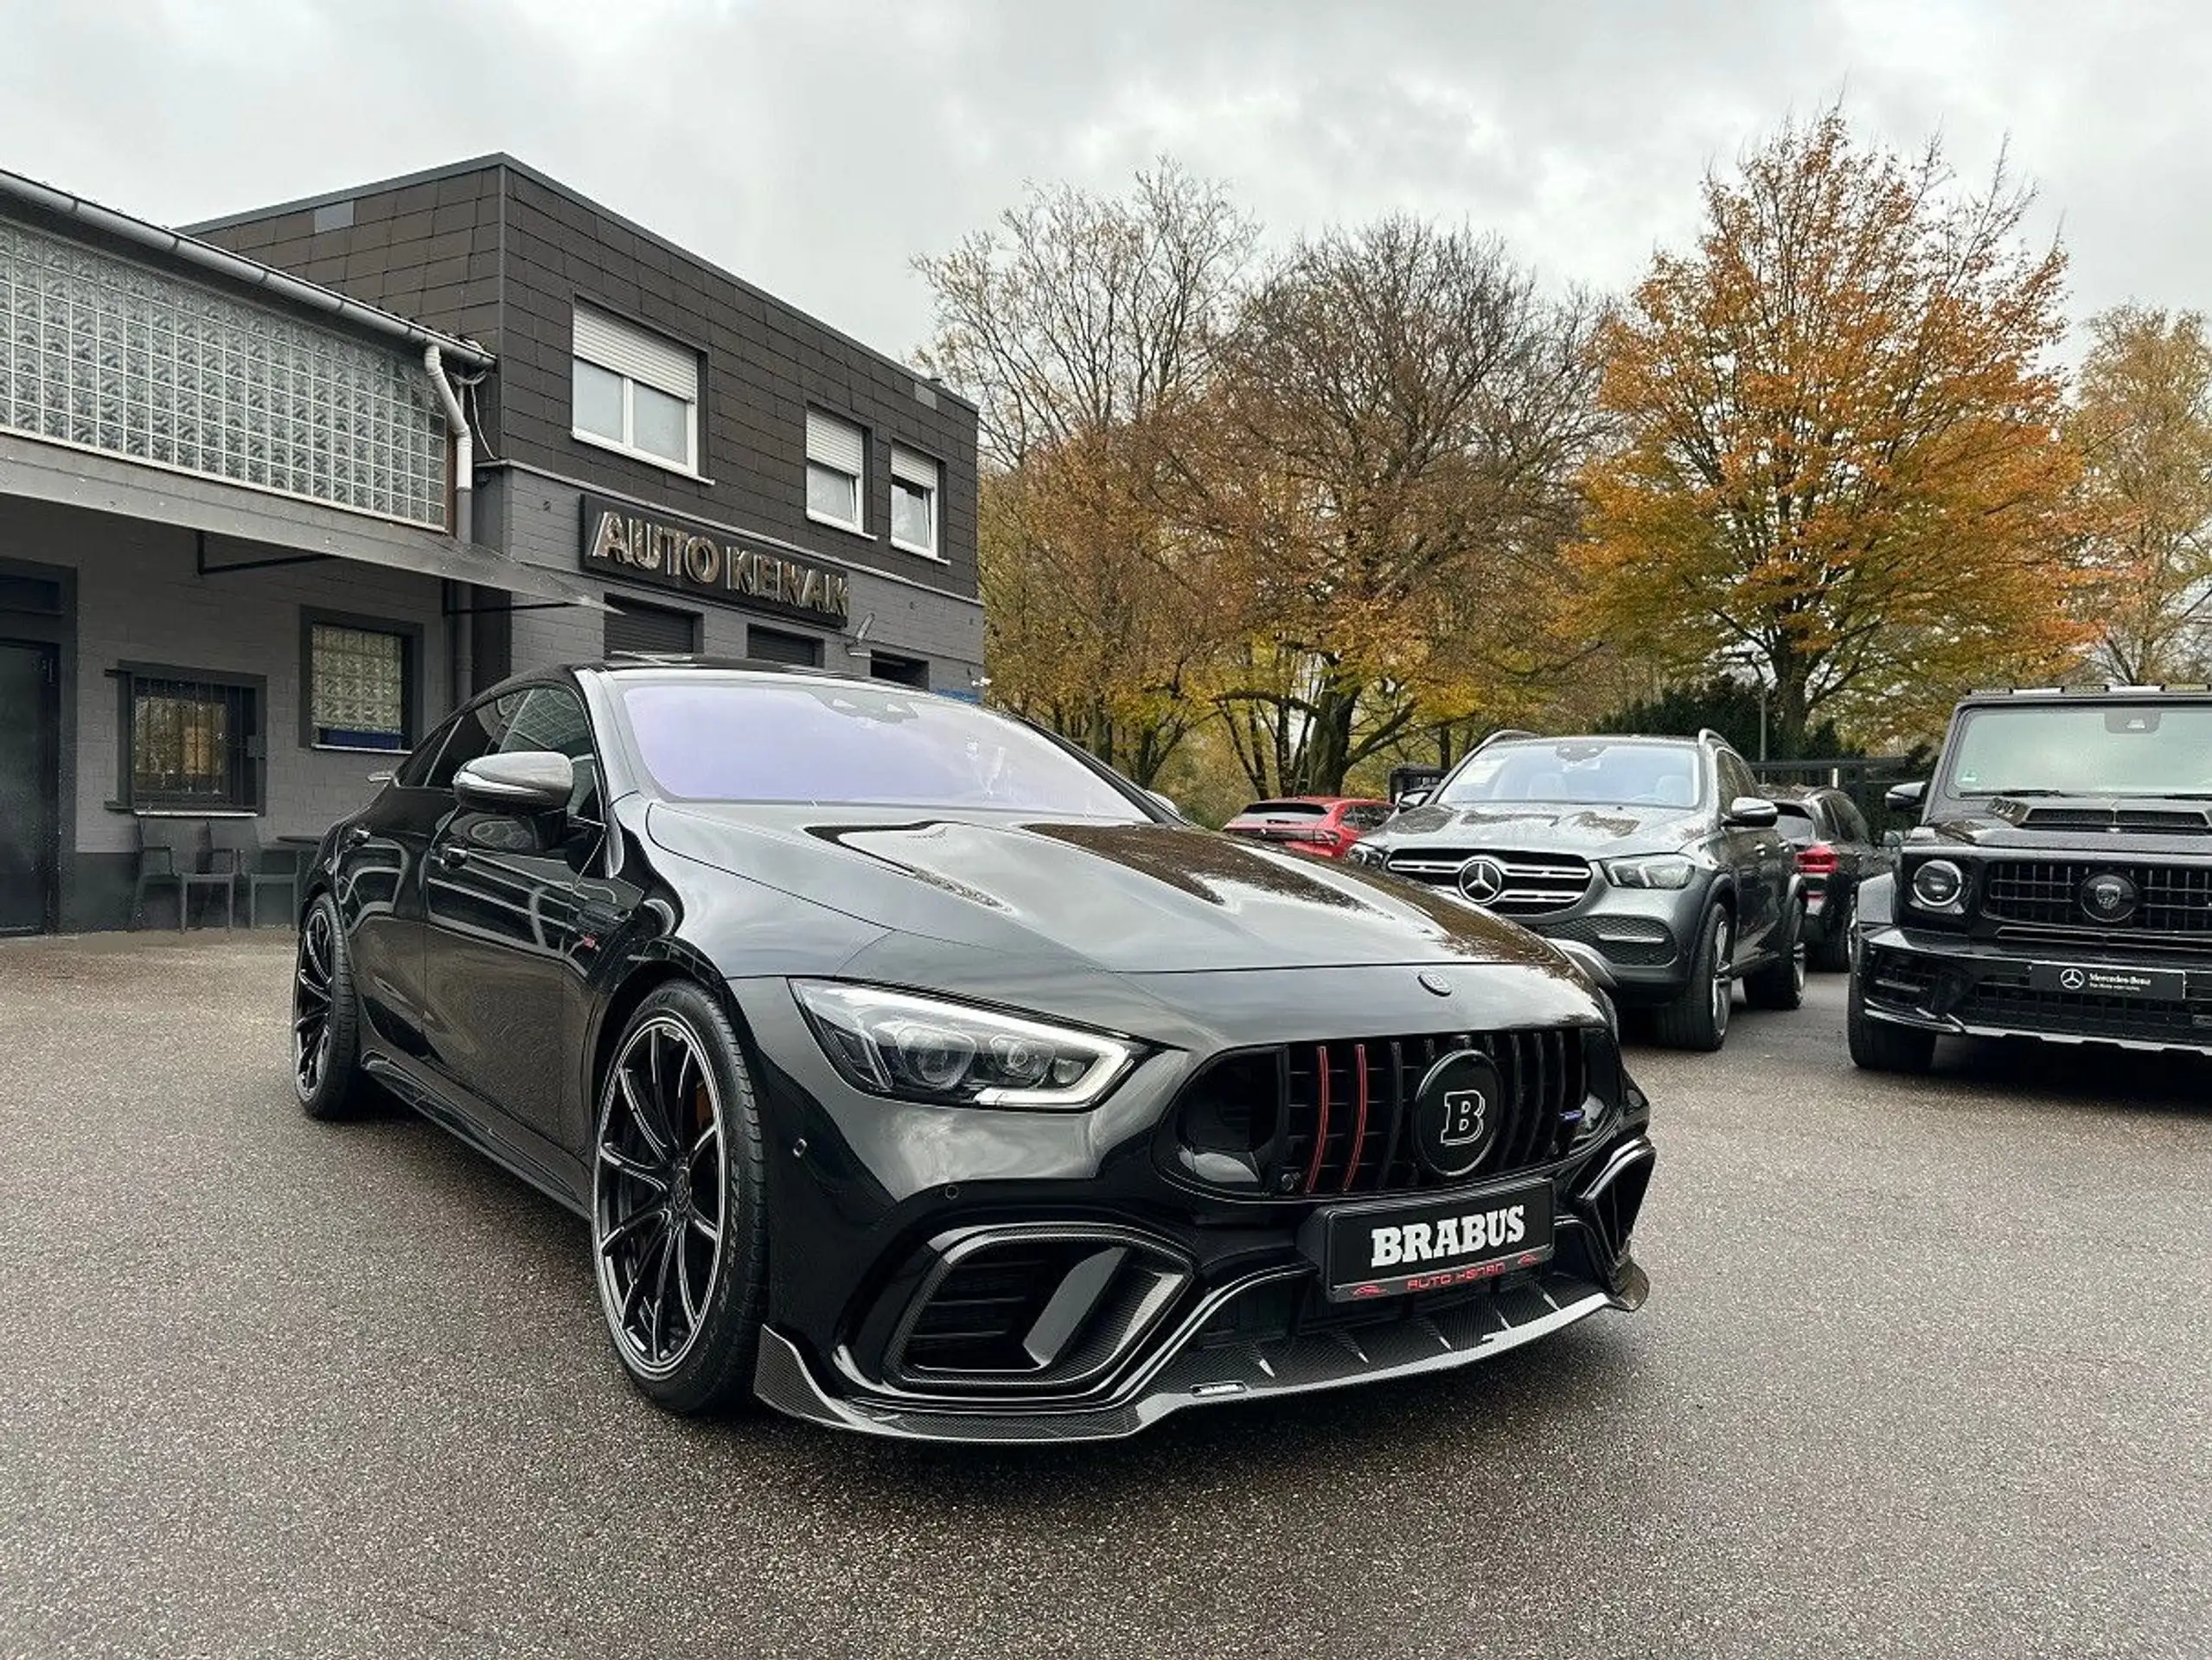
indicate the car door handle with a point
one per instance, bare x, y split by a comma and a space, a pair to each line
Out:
452, 855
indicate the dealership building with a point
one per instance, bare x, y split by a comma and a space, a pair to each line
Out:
277, 491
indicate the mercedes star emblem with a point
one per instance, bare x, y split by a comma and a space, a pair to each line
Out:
1482, 880
1432, 981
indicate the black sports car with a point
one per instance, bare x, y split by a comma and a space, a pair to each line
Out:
920, 1076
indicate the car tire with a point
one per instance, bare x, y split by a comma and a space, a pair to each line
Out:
327, 1077
1877, 1046
1697, 1019
1780, 984
1831, 952
679, 1223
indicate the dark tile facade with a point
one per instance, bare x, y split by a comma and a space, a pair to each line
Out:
497, 253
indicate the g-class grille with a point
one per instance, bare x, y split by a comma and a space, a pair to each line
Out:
1324, 1118
1526, 885
2169, 898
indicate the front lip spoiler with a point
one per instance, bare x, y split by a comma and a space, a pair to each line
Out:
784, 1380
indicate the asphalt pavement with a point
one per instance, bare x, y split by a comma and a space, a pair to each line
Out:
1926, 1370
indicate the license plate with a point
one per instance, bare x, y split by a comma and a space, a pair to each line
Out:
1381, 1250
2105, 980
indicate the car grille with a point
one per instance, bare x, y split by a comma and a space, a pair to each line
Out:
2171, 899
2020, 1008
1324, 1118
1535, 883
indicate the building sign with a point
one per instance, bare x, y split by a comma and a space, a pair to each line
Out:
619, 540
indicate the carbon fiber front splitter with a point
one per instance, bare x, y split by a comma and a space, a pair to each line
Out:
1192, 1376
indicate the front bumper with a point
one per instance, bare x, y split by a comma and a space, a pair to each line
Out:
1648, 936
1967, 987
1153, 1291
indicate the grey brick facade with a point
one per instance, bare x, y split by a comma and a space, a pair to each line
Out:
500, 254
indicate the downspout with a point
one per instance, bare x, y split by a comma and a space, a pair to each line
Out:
465, 509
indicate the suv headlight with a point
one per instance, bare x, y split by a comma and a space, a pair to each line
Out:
1941, 886
1655, 871
919, 1048
1365, 853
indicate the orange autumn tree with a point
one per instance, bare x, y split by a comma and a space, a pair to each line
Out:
1839, 457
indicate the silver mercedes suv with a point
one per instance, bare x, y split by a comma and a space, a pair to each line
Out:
1658, 854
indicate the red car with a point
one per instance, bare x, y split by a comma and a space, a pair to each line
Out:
1324, 826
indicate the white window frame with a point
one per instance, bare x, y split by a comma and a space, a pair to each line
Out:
636, 358
826, 434
912, 466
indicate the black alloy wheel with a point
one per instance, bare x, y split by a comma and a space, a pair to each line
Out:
1780, 984
326, 1033
1698, 1018
677, 1232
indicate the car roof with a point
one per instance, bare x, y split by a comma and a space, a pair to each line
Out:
1674, 739
2010, 697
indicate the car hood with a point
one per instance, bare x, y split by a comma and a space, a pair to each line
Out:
2078, 824
1129, 898
1599, 831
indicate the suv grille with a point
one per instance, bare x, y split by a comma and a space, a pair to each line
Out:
1534, 883
1323, 1119
2171, 899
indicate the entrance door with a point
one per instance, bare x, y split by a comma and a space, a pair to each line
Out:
30, 747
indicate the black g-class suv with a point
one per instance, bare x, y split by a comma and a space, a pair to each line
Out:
1657, 855
2058, 886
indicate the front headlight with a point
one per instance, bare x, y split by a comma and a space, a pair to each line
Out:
1940, 885
919, 1048
1365, 853
1656, 871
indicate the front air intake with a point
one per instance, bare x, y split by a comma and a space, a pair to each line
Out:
1038, 1308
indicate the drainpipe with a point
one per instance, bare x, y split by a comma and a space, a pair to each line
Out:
464, 507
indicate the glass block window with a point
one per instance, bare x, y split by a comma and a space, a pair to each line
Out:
190, 742
358, 681
103, 353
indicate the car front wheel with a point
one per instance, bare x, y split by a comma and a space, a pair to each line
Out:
679, 1238
1697, 1019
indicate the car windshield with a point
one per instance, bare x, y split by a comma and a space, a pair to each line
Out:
2131, 749
742, 738
1578, 771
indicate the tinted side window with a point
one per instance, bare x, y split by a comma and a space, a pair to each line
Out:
1851, 821
475, 732
1796, 823
1364, 818
413, 773
553, 717
1735, 777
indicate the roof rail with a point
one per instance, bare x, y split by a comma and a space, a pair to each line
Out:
651, 656
1504, 734
1707, 735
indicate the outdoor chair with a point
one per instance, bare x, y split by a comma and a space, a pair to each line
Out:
168, 852
255, 866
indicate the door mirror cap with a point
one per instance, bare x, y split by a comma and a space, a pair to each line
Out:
516, 786
1906, 798
1752, 812
1412, 798
1167, 802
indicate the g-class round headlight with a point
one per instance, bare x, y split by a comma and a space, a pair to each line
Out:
1938, 885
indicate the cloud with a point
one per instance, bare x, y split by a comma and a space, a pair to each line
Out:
816, 145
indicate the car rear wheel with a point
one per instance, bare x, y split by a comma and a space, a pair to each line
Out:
326, 1018
1780, 984
1833, 951
679, 1237
1877, 1046
1698, 1018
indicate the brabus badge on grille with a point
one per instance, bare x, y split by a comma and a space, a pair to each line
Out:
1432, 981
2108, 897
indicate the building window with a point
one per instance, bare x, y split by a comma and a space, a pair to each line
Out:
103, 353
914, 480
639, 630
635, 391
190, 740
837, 464
776, 646
906, 670
360, 680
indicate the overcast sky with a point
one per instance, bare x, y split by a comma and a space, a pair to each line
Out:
815, 145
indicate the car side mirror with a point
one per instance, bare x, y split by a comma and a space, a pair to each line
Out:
516, 786
1752, 812
1168, 802
1906, 798
1893, 838
1412, 798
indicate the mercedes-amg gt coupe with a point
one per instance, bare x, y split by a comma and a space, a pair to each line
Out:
917, 1074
